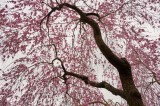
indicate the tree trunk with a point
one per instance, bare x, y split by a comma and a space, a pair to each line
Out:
132, 95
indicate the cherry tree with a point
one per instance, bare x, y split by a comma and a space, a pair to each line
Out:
65, 52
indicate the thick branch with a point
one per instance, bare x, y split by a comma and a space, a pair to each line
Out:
102, 84
84, 78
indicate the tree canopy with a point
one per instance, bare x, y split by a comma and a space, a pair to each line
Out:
65, 52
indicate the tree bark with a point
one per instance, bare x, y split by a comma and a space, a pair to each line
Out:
131, 93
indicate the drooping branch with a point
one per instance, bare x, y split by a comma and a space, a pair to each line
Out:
87, 81
102, 84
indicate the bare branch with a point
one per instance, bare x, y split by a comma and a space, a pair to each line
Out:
55, 48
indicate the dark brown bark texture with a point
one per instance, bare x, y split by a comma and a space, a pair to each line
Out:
129, 92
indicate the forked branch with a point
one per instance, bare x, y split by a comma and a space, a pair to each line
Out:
87, 81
